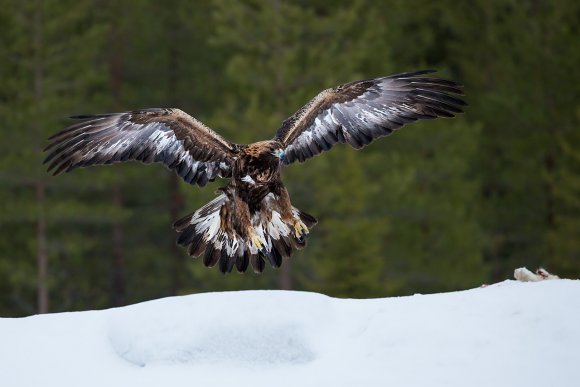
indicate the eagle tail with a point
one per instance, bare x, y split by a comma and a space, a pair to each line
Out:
209, 231
197, 230
202, 232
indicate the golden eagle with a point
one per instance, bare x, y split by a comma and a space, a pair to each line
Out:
252, 221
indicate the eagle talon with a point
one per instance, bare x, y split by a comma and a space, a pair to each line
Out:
258, 244
300, 231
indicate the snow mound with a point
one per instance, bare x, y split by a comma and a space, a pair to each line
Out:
508, 334
244, 327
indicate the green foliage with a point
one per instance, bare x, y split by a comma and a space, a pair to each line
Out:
520, 59
348, 260
562, 238
42, 86
440, 205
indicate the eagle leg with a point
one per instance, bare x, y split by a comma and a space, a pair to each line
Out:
290, 216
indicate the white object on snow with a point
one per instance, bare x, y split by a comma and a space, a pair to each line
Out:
524, 275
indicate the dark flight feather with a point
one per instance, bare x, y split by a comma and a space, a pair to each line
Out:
360, 112
167, 136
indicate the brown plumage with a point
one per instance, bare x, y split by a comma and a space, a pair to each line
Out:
252, 220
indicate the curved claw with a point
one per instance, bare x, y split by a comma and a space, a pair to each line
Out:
258, 244
300, 231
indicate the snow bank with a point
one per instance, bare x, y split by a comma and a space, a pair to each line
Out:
508, 334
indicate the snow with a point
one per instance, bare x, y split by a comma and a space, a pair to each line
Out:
507, 334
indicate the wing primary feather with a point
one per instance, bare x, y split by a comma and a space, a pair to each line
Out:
411, 74
167, 136
87, 116
359, 112
439, 97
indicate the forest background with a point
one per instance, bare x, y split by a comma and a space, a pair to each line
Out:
439, 206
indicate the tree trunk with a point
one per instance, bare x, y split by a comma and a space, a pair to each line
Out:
40, 188
118, 296
41, 251
175, 197
175, 207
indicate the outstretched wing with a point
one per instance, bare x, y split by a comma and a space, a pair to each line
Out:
168, 136
359, 112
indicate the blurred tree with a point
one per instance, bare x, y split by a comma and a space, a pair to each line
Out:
348, 188
441, 205
117, 42
515, 59
182, 71
40, 68
348, 259
562, 238
282, 54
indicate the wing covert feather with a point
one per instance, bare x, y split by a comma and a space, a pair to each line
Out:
359, 112
168, 136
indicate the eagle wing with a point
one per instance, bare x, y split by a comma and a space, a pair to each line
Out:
359, 112
168, 136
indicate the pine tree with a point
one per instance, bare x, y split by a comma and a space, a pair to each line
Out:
563, 238
42, 88
516, 59
282, 54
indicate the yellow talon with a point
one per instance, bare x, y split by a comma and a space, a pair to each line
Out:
256, 242
300, 229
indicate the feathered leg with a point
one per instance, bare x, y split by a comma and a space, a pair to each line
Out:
243, 223
290, 215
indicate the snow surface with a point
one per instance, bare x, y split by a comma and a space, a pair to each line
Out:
507, 334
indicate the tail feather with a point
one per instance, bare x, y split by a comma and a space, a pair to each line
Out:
209, 232
309, 220
274, 257
283, 246
226, 262
243, 261
258, 263
186, 237
197, 245
211, 256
